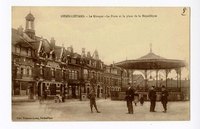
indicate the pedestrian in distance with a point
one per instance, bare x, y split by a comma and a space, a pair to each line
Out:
141, 100
164, 99
152, 97
136, 98
92, 97
129, 99
45, 95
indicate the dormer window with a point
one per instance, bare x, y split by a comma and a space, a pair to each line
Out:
24, 51
29, 52
53, 56
42, 52
18, 49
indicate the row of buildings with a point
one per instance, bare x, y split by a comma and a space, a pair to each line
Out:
39, 65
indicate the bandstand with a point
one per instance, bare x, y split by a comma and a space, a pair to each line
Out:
153, 62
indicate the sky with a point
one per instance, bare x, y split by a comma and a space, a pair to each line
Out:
122, 33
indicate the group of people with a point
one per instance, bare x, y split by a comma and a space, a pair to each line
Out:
152, 96
131, 96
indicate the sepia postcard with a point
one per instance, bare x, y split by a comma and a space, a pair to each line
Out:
100, 63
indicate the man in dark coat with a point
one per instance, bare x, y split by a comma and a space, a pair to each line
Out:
152, 97
129, 99
164, 99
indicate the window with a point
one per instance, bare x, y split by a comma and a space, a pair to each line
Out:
89, 75
76, 75
73, 61
18, 70
70, 74
98, 76
41, 70
18, 49
23, 51
22, 70
53, 72
29, 52
28, 72
119, 82
94, 75
73, 74
85, 72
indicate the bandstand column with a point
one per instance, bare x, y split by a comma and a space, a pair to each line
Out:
167, 72
157, 78
177, 71
131, 76
145, 74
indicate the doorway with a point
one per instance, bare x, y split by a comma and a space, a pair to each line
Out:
74, 92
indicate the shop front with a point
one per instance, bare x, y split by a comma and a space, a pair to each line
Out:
53, 88
74, 89
24, 88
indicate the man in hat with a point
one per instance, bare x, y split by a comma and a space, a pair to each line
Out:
129, 99
164, 99
152, 97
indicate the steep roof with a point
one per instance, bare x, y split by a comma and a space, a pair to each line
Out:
19, 40
151, 61
47, 46
27, 38
15, 37
30, 16
95, 55
150, 56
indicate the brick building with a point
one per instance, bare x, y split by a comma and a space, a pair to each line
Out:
39, 65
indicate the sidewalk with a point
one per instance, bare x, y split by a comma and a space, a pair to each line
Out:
22, 99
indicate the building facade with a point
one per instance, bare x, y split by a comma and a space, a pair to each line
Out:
39, 65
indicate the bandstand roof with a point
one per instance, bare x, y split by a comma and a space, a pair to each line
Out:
151, 61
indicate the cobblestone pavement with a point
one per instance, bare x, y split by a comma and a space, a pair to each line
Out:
75, 110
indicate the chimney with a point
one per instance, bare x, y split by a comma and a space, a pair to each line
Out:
88, 54
83, 52
68, 49
20, 30
72, 51
53, 42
